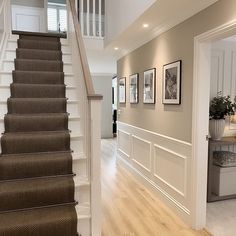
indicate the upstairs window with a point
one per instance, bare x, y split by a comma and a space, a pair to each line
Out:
57, 18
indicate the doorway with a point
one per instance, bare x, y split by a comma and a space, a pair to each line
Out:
200, 122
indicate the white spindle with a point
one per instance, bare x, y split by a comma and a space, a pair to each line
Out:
88, 12
94, 19
100, 18
82, 16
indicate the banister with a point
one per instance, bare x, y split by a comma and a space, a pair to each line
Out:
82, 54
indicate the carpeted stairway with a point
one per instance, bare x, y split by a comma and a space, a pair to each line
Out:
36, 179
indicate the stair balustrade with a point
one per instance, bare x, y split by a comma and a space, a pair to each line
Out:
90, 110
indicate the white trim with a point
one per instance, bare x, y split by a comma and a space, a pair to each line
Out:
167, 185
201, 90
160, 135
185, 170
150, 152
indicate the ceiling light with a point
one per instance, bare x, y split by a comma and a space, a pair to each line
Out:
145, 25
116, 48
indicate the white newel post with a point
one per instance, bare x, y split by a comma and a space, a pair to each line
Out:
95, 108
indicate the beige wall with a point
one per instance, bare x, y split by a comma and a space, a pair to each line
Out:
176, 44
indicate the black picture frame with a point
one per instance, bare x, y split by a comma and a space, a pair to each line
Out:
172, 82
134, 88
122, 90
149, 86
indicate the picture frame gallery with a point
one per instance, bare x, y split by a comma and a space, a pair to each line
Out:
171, 85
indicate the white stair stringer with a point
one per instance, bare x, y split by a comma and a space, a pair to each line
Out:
80, 161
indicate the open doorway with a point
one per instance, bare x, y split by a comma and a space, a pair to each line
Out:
201, 99
221, 190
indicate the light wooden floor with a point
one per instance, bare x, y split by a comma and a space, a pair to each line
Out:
131, 210
221, 218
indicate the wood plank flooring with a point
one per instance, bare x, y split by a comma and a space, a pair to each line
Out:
129, 209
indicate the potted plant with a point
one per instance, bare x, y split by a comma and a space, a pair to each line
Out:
220, 108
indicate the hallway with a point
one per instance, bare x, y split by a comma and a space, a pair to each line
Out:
129, 209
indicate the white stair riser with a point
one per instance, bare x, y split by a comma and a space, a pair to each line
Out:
83, 227
72, 108
3, 110
10, 55
74, 124
9, 66
5, 93
82, 194
80, 167
76, 144
6, 79
12, 45
2, 129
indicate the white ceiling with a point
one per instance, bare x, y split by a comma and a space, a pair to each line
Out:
161, 16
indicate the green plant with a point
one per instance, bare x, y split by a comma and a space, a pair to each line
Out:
222, 106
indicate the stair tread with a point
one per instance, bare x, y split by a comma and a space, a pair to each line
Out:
61, 220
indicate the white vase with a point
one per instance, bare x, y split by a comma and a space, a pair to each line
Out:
217, 128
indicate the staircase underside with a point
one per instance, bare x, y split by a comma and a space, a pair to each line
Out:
36, 181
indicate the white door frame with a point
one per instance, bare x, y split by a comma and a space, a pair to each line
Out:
200, 120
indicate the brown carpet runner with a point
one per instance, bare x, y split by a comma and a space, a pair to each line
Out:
36, 180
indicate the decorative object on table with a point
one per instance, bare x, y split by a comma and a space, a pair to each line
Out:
172, 83
149, 86
220, 107
224, 158
134, 88
122, 90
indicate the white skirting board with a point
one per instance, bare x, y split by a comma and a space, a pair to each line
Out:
161, 163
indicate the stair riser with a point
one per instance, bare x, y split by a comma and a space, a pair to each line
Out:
33, 144
6, 79
18, 195
83, 226
80, 167
74, 124
72, 108
13, 45
82, 194
8, 66
76, 144
11, 55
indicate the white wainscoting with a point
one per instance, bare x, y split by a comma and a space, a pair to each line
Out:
163, 163
28, 18
223, 74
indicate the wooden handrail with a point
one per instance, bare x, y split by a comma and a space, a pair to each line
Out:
82, 53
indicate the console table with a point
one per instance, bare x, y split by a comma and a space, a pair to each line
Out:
226, 141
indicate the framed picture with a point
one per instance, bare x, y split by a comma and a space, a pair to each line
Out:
133, 88
172, 83
122, 90
149, 86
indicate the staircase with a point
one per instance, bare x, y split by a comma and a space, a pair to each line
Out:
50, 125
37, 187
